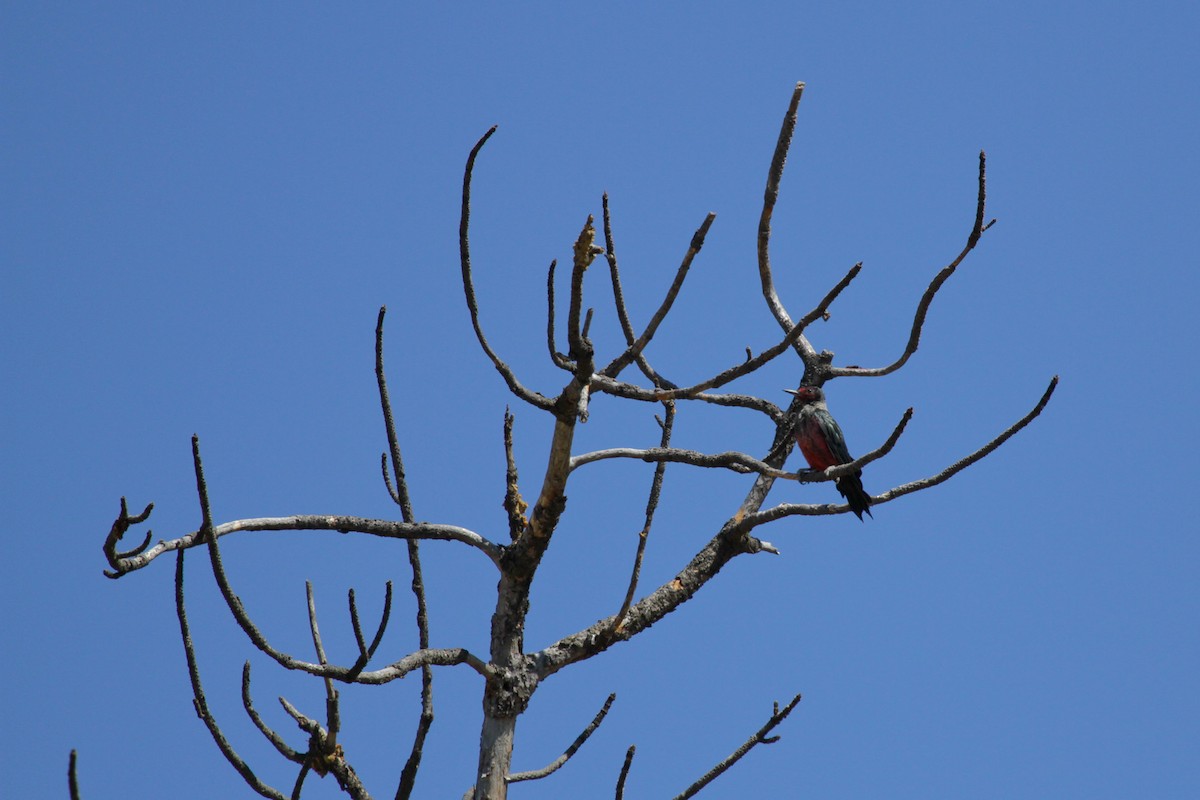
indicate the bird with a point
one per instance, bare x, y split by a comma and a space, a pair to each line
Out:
823, 445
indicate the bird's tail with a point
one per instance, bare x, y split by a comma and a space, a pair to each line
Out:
851, 488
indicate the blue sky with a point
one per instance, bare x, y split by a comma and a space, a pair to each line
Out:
206, 205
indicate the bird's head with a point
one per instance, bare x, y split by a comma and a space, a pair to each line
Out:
808, 394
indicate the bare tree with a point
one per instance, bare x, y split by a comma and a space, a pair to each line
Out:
510, 673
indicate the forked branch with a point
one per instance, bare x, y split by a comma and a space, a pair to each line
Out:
760, 737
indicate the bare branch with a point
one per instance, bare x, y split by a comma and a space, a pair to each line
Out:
759, 737
400, 495
305, 768
325, 755
388, 529
610, 255
625, 771
400, 492
770, 196
274, 738
743, 463
751, 521
464, 248
72, 779
738, 462
753, 363
560, 361
585, 252
660, 469
914, 336
598, 637
333, 720
514, 504
634, 350
408, 775
201, 705
979, 454
120, 525
421, 658
630, 391
570, 751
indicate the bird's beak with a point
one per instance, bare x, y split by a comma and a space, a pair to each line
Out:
791, 391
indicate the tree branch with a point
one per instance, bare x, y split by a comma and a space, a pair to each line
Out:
388, 529
634, 350
464, 248
598, 637
274, 738
914, 336
72, 778
408, 775
610, 255
625, 771
751, 364
630, 391
365, 651
743, 463
199, 702
770, 196
325, 755
759, 737
660, 469
570, 751
560, 361
751, 521
400, 492
978, 455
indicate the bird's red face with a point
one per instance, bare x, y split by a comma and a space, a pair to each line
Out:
808, 394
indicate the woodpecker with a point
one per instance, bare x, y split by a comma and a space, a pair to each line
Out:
823, 445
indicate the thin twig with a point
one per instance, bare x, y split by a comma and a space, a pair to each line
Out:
464, 248
274, 738
331, 695
753, 363
558, 358
770, 196
72, 779
634, 350
743, 463
421, 658
367, 652
425, 719
305, 768
982, 452
760, 737
198, 701
570, 751
629, 391
400, 492
389, 529
914, 336
610, 255
625, 771
120, 526
751, 521
656, 483
408, 775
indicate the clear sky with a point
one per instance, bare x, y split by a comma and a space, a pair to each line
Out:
205, 205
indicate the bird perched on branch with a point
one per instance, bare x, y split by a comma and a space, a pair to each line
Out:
823, 445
